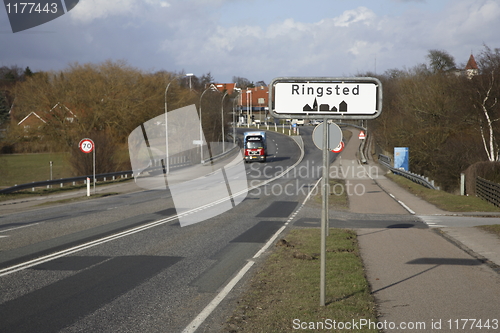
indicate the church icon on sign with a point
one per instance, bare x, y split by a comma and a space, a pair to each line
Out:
325, 107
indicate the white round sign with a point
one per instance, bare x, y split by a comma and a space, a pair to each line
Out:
334, 136
86, 145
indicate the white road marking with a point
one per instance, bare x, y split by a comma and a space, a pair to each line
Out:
406, 207
193, 325
225, 291
103, 240
198, 320
269, 242
432, 221
23, 226
391, 195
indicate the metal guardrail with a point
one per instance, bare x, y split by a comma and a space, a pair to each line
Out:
183, 162
488, 191
73, 180
424, 181
33, 185
212, 159
361, 149
362, 157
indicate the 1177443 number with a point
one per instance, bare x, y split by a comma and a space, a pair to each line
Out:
31, 7
467, 324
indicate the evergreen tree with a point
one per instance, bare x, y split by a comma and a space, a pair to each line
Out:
441, 61
4, 108
28, 72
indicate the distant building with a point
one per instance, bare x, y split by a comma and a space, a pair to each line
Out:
470, 70
223, 87
254, 102
255, 98
34, 121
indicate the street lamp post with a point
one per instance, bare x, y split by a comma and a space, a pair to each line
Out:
222, 116
167, 163
189, 75
234, 114
201, 129
249, 106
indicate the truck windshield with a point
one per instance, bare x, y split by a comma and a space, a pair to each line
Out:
254, 144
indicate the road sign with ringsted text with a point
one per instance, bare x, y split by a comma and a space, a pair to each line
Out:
323, 97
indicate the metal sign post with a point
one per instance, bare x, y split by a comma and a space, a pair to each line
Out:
93, 166
87, 145
324, 216
331, 136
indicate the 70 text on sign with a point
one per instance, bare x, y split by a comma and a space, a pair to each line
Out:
86, 145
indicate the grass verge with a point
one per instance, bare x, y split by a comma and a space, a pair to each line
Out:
494, 229
27, 168
444, 200
286, 288
337, 200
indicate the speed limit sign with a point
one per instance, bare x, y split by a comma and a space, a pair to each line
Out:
339, 148
86, 145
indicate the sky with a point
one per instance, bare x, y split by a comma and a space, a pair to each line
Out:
255, 39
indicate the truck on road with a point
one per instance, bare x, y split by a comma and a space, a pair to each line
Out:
254, 146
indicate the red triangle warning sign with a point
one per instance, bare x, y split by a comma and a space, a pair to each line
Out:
362, 135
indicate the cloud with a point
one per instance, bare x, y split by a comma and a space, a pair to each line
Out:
358, 47
334, 46
474, 16
89, 10
357, 40
348, 17
192, 35
161, 3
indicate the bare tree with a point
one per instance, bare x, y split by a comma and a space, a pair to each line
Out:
428, 113
242, 82
106, 101
486, 87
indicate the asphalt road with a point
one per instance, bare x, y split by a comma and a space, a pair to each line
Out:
132, 267
127, 265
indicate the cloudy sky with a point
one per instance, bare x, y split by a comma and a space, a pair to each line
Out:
256, 39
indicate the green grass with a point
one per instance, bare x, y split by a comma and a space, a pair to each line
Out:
27, 168
287, 286
444, 200
337, 200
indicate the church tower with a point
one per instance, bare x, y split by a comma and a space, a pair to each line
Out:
471, 69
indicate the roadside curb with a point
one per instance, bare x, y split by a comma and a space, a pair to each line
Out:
34, 202
467, 250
